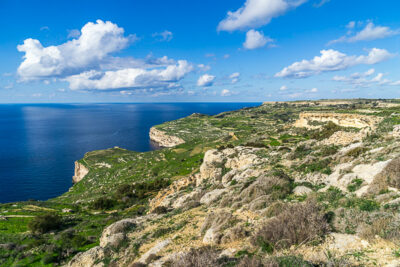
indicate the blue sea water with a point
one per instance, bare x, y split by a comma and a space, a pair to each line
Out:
40, 142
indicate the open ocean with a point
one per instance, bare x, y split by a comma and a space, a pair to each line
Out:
40, 142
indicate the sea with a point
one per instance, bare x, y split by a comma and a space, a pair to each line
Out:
39, 143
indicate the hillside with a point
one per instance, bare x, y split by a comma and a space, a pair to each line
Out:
310, 183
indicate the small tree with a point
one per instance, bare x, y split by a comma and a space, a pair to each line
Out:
45, 223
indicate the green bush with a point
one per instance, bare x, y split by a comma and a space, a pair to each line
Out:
354, 185
319, 166
331, 196
325, 132
45, 223
356, 152
103, 203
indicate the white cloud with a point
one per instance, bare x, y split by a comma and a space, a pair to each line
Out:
365, 80
205, 80
395, 83
351, 25
255, 39
234, 77
321, 3
256, 13
96, 42
331, 60
203, 67
159, 78
86, 62
226, 56
283, 88
164, 36
314, 90
369, 33
123, 92
226, 92
74, 33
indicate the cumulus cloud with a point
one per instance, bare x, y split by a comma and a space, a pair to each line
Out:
255, 39
369, 33
226, 92
203, 67
96, 42
234, 77
256, 13
131, 78
86, 62
332, 60
164, 36
365, 79
205, 80
283, 88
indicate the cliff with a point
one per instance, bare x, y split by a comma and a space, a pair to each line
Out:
80, 172
163, 139
341, 119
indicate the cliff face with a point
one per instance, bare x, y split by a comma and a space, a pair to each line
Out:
163, 139
80, 172
341, 119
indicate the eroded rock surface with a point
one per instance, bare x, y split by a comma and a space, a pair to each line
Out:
163, 139
80, 172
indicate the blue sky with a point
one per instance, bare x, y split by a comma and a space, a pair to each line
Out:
179, 50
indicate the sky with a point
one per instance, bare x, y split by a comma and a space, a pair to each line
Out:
198, 51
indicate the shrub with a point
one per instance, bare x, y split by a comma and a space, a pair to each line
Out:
319, 166
385, 227
367, 205
392, 173
326, 131
255, 262
49, 258
329, 150
103, 203
45, 223
354, 185
300, 152
356, 152
332, 196
205, 256
298, 223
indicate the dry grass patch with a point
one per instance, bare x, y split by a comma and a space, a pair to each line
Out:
296, 224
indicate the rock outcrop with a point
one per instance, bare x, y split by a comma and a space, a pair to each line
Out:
115, 234
80, 172
341, 119
163, 139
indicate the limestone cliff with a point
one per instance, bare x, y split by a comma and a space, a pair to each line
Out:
80, 172
341, 119
163, 139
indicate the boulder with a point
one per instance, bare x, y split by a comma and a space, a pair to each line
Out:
92, 257
151, 254
301, 190
212, 196
114, 234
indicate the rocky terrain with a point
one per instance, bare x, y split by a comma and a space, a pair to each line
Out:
282, 184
